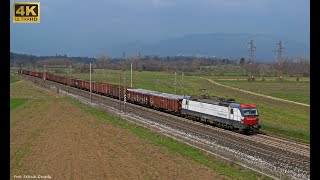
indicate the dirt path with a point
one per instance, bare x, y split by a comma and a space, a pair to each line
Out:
50, 136
250, 92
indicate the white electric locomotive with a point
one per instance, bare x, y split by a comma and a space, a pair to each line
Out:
222, 112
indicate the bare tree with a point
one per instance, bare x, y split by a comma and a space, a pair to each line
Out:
304, 66
262, 70
103, 61
281, 65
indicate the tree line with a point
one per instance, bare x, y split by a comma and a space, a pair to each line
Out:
299, 66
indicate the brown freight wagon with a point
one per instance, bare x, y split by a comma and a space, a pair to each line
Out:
54, 78
85, 85
73, 82
101, 87
167, 102
61, 80
69, 81
32, 73
77, 83
48, 77
80, 83
113, 90
22, 71
158, 100
139, 96
39, 74
94, 86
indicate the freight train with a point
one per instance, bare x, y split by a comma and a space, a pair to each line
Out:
221, 112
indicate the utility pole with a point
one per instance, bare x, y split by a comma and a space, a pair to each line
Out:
45, 73
252, 47
70, 78
131, 74
119, 92
182, 88
175, 82
66, 71
124, 82
124, 91
90, 85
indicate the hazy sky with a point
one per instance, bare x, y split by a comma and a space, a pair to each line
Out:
76, 27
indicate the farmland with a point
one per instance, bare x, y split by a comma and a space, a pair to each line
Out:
290, 90
279, 117
54, 135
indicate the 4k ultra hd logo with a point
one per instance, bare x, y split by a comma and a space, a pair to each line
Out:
26, 12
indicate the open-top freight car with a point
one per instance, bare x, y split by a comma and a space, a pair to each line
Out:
166, 102
156, 100
139, 96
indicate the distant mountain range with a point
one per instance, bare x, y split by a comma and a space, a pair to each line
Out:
216, 44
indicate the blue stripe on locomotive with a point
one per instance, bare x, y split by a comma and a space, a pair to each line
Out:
236, 105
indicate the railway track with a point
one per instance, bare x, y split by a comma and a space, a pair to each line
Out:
273, 156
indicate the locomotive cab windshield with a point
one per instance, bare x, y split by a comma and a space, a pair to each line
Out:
250, 112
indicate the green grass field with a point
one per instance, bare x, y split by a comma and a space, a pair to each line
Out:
13, 79
280, 117
15, 102
290, 90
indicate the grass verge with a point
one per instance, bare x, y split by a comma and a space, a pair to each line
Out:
13, 79
223, 168
15, 102
296, 133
